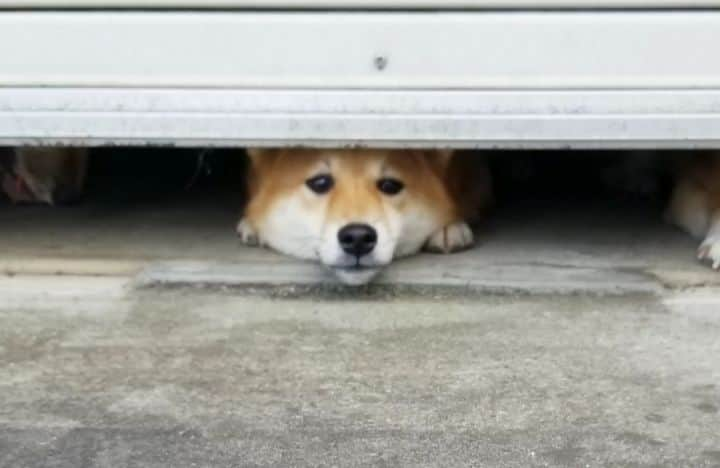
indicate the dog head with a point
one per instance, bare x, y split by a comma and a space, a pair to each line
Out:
353, 210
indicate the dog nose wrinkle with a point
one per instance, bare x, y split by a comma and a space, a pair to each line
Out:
357, 239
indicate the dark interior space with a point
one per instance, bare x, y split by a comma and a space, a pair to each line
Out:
613, 177
591, 220
118, 175
148, 203
136, 175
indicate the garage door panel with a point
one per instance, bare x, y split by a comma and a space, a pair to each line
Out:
362, 50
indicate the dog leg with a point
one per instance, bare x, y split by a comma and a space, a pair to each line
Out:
452, 238
709, 250
695, 206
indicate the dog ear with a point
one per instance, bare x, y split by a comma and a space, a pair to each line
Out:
444, 156
255, 154
439, 159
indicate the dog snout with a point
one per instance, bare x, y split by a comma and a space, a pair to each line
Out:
357, 239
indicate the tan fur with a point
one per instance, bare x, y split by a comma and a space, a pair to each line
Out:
695, 204
446, 188
457, 187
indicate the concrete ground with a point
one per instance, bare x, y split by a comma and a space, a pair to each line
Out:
147, 337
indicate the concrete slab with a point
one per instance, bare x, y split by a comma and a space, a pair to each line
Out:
573, 335
553, 247
196, 378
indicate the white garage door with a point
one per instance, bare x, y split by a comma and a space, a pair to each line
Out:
477, 79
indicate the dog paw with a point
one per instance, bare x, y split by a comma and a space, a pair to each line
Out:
247, 233
451, 238
709, 251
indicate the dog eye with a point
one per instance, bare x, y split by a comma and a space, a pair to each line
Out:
390, 186
320, 184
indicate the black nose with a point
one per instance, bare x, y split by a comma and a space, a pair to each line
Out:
357, 239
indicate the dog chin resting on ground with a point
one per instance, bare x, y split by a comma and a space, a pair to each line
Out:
355, 210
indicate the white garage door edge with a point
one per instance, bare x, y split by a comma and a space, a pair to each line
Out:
477, 80
469, 119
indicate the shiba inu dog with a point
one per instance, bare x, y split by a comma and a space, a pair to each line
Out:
695, 203
356, 210
43, 175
